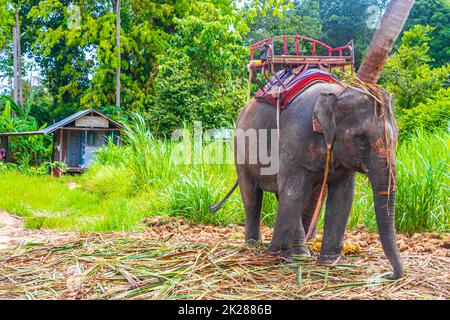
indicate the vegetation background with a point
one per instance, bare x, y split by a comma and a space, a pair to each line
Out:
184, 61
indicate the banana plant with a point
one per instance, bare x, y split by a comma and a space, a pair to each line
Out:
8, 123
24, 149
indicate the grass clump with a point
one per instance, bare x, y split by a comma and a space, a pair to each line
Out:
108, 181
423, 183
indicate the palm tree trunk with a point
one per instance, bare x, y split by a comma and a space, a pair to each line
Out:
383, 39
19, 59
15, 67
118, 53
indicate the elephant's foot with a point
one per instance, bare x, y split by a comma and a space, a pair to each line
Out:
284, 255
394, 276
329, 260
253, 243
300, 250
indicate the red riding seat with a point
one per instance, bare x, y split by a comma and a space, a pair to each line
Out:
291, 83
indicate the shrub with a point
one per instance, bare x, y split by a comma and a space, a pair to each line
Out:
432, 115
191, 196
111, 154
108, 181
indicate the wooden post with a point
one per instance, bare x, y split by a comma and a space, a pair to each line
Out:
85, 145
61, 137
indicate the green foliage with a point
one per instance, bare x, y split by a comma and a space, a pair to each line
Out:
408, 75
46, 202
62, 50
73, 43
436, 14
201, 77
26, 150
147, 157
108, 181
423, 183
432, 115
192, 194
343, 21
301, 18
111, 154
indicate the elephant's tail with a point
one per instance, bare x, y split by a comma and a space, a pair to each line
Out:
217, 206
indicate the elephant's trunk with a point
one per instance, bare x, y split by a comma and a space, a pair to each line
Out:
383, 180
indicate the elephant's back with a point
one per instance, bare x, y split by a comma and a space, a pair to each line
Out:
257, 115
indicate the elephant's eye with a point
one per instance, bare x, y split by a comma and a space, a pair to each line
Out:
362, 140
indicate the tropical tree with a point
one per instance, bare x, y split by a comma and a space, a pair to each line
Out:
301, 18
431, 115
24, 149
380, 47
202, 74
436, 14
343, 21
408, 73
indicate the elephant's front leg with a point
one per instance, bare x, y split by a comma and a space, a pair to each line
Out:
294, 191
298, 247
339, 204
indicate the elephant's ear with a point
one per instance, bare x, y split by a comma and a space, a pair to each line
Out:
324, 117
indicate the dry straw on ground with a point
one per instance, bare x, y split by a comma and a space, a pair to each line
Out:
175, 260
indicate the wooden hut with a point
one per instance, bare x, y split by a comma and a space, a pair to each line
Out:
75, 138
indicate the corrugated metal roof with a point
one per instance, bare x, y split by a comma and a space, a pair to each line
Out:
23, 133
63, 122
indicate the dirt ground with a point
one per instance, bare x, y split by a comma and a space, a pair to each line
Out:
173, 259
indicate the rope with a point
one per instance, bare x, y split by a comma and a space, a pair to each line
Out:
278, 111
319, 204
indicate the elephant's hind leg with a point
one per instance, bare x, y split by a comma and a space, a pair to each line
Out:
252, 196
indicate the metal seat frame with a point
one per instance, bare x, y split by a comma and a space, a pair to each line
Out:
304, 59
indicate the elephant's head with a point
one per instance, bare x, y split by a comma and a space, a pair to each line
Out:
363, 135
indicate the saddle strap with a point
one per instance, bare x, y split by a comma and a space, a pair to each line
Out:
319, 204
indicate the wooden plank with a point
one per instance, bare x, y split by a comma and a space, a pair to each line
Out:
60, 143
92, 122
90, 128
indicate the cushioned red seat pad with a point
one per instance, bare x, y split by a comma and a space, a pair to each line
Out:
294, 83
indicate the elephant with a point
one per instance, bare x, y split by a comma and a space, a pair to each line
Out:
361, 133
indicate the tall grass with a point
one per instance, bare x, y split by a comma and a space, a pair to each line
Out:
180, 188
139, 179
423, 183
147, 157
